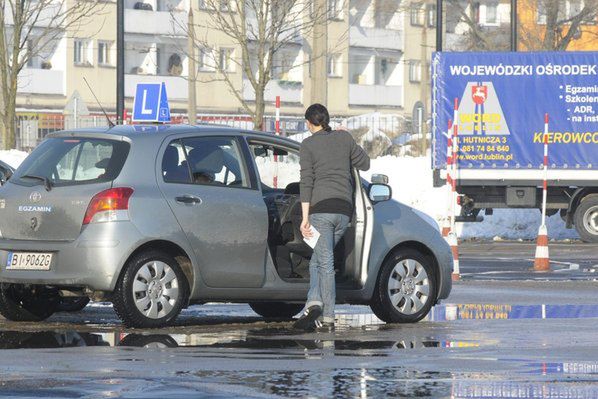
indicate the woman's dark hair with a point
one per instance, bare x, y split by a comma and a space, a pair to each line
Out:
317, 115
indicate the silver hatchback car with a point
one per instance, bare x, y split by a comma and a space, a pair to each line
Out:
155, 218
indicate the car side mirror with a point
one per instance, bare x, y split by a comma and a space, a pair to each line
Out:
3, 178
379, 192
260, 151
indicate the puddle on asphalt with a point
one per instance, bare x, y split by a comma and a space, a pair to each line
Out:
272, 339
253, 341
451, 312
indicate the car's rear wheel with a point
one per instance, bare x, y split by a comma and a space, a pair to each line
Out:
406, 287
276, 310
20, 302
72, 304
151, 292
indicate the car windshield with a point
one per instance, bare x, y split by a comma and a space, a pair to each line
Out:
71, 161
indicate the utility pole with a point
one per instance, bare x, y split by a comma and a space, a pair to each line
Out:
439, 25
192, 107
424, 77
120, 61
514, 26
319, 71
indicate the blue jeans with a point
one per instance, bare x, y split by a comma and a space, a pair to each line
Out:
322, 290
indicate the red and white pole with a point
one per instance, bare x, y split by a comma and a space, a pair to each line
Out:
277, 130
542, 260
446, 227
452, 237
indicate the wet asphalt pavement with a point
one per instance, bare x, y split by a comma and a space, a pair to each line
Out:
505, 332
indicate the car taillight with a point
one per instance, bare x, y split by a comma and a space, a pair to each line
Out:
109, 205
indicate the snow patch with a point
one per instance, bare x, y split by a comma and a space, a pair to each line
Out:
13, 157
411, 182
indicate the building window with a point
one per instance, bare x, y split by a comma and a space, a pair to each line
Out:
431, 15
82, 54
225, 61
415, 71
335, 9
104, 53
335, 67
416, 14
490, 16
491, 13
206, 60
541, 17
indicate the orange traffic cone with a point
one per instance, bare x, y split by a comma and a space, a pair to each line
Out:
542, 261
454, 244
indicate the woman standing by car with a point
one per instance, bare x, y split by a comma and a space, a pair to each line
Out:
326, 189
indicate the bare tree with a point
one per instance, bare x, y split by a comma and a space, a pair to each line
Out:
261, 30
555, 24
27, 29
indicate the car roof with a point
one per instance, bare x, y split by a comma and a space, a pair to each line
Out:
133, 131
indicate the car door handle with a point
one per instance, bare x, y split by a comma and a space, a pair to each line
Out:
188, 199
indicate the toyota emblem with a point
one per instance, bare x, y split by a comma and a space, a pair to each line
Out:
35, 196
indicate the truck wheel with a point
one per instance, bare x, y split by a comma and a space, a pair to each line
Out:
586, 218
151, 291
406, 288
276, 310
72, 304
20, 302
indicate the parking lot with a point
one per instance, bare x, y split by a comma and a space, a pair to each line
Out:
508, 336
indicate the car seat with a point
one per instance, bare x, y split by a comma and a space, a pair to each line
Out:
206, 161
171, 168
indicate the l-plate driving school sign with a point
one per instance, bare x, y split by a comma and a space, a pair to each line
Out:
151, 103
502, 100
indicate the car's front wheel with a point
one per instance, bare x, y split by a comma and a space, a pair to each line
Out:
20, 302
151, 292
406, 287
276, 310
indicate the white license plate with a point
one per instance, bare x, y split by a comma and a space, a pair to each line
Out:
28, 261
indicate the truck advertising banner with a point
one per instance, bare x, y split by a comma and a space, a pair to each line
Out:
502, 100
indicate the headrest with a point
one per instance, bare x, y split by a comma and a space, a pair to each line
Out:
171, 158
207, 158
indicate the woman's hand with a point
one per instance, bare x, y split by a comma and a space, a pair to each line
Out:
306, 228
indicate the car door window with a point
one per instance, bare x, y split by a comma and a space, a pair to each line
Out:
277, 167
205, 160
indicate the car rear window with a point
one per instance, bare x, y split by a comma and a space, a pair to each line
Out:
71, 161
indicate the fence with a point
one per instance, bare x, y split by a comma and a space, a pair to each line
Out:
379, 134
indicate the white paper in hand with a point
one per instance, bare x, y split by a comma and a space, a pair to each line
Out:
313, 240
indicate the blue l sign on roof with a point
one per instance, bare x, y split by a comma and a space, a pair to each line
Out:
151, 103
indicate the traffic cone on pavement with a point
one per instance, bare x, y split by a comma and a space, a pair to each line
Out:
542, 260
454, 244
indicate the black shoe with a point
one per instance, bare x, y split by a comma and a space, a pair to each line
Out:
322, 326
307, 321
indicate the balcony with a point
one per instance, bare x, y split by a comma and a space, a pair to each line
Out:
176, 86
41, 81
376, 95
387, 39
291, 92
156, 22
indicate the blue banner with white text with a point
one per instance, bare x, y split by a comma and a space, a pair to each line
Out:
502, 99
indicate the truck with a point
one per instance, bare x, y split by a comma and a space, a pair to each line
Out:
501, 102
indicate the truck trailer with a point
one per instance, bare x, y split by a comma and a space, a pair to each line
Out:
500, 101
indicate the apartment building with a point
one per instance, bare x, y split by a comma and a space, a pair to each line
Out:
375, 60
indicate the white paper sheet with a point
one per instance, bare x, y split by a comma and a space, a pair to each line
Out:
313, 240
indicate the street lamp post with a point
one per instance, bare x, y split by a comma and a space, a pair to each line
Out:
120, 61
